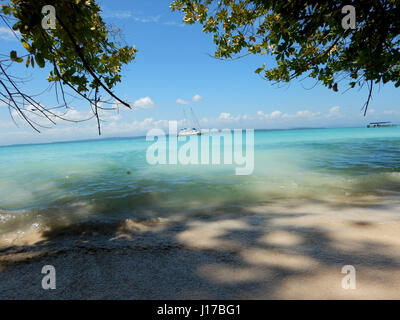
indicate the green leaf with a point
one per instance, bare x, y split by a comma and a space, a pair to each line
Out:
13, 55
40, 61
299, 46
260, 69
6, 10
27, 46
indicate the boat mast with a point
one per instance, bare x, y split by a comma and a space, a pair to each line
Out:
185, 120
195, 119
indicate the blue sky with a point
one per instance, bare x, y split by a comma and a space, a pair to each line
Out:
173, 67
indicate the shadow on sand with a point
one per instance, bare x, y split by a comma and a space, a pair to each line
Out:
293, 251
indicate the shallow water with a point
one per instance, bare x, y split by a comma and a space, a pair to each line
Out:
62, 183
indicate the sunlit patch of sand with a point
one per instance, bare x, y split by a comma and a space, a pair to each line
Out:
209, 235
291, 250
281, 238
273, 258
227, 274
326, 283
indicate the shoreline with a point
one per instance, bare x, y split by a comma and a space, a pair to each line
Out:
292, 250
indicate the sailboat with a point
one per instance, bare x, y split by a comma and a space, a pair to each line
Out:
380, 124
190, 131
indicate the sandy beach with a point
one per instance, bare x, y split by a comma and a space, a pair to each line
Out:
294, 250
199, 150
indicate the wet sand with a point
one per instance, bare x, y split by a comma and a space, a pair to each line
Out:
294, 250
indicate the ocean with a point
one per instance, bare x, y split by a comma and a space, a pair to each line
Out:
103, 181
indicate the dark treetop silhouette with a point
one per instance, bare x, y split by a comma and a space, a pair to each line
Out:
83, 59
306, 37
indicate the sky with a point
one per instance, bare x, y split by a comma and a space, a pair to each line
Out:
173, 71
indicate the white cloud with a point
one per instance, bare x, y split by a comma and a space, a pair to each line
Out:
307, 114
272, 115
181, 101
127, 14
275, 114
303, 114
116, 14
153, 19
116, 125
225, 116
76, 115
391, 112
144, 103
59, 115
334, 109
197, 98
7, 34
173, 23
334, 112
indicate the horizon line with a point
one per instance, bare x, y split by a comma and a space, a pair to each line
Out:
143, 136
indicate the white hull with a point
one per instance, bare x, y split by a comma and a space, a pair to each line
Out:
189, 133
380, 124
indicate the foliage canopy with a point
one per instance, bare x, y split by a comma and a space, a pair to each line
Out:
306, 37
78, 50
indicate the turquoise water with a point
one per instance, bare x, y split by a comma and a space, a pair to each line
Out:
110, 179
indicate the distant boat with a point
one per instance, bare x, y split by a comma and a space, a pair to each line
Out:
380, 124
187, 131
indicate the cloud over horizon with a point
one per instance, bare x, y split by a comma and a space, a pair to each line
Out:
115, 125
181, 101
144, 103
